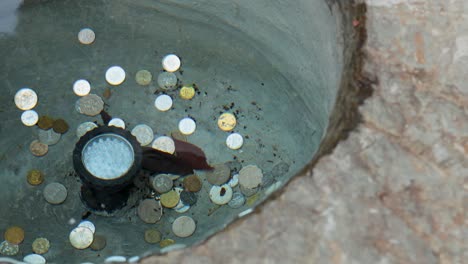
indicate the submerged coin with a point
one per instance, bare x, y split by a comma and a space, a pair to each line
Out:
248, 191
149, 211
237, 200
163, 102
117, 122
89, 225
167, 80
34, 259
25, 99
221, 194
183, 226
143, 77
38, 149
143, 133
234, 181
60, 126
29, 118
84, 128
171, 63
55, 193
49, 137
165, 144
192, 183
45, 122
99, 242
162, 183
219, 175
14, 235
250, 176
234, 141
166, 242
115, 75
8, 249
35, 177
81, 237
187, 126
90, 105
187, 92
81, 87
227, 122
40, 245
188, 198
152, 236
86, 36
170, 199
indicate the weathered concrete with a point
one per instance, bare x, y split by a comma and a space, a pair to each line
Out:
394, 191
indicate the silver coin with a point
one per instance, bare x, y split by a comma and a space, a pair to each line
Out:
164, 143
183, 226
143, 133
167, 80
49, 137
86, 36
162, 183
171, 63
55, 193
84, 128
25, 99
221, 194
90, 105
149, 211
81, 237
89, 225
115, 75
237, 200
34, 259
29, 118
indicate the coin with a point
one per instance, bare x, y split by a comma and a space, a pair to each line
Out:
83, 128
187, 126
14, 235
45, 122
143, 133
221, 194
99, 242
162, 183
143, 77
35, 177
117, 122
34, 259
90, 105
89, 225
8, 249
234, 181
60, 126
55, 193
170, 199
152, 236
167, 80
237, 200
165, 144
227, 122
81, 87
219, 175
250, 176
163, 102
234, 141
81, 237
115, 75
248, 191
149, 211
40, 245
38, 149
49, 137
171, 63
86, 36
183, 226
187, 92
192, 183
25, 99
182, 209
188, 198
29, 118
166, 242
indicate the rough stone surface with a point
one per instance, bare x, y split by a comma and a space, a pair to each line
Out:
393, 192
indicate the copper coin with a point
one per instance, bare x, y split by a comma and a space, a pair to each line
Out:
14, 235
99, 243
35, 177
192, 183
38, 149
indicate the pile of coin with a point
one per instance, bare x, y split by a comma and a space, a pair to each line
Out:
83, 236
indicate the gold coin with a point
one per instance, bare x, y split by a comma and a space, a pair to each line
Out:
40, 245
152, 236
170, 199
143, 77
35, 177
38, 149
14, 235
45, 122
227, 122
187, 92
166, 242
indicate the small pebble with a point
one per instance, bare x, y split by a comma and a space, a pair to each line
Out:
162, 183
152, 236
221, 194
99, 242
219, 175
188, 198
149, 211
55, 193
192, 183
40, 245
143, 77
183, 226
237, 200
38, 149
